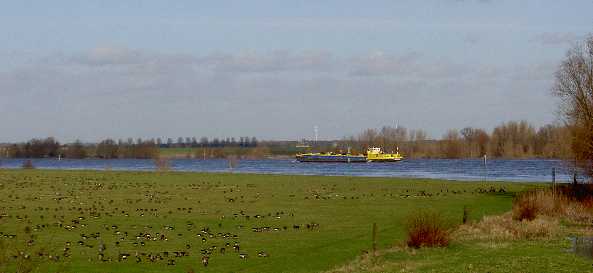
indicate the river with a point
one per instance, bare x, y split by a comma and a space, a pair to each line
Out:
536, 170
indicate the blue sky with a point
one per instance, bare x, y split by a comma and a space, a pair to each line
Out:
274, 69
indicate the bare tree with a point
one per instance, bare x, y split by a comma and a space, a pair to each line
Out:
368, 138
418, 140
574, 86
107, 149
451, 144
513, 140
470, 136
76, 150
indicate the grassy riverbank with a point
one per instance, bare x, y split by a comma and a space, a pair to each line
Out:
279, 223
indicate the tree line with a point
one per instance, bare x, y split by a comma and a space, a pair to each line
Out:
109, 148
51, 148
513, 139
204, 142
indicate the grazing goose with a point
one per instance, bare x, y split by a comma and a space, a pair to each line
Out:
262, 254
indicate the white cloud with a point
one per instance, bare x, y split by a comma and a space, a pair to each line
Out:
120, 92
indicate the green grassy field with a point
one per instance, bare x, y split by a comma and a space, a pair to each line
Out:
177, 152
280, 223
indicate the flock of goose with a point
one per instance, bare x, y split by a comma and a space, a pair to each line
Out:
102, 225
144, 222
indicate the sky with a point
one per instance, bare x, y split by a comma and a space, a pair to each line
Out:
90, 70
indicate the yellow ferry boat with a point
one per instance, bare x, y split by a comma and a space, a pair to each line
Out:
375, 154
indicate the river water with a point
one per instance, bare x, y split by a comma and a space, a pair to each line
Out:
536, 170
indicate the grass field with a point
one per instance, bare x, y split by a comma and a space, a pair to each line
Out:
85, 221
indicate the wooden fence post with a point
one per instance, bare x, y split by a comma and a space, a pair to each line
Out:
554, 182
374, 238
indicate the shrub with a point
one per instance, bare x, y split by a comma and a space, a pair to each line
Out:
427, 229
529, 205
162, 164
524, 209
28, 164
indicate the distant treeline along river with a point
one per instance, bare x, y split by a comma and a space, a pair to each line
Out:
510, 140
536, 170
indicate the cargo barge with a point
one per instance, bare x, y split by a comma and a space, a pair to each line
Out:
331, 157
372, 155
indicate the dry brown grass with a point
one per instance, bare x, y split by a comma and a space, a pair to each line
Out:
368, 263
535, 215
558, 204
503, 227
528, 205
427, 229
526, 209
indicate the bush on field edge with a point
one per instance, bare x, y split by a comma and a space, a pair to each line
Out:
427, 229
28, 164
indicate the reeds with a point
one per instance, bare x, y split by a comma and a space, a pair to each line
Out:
504, 228
567, 202
535, 214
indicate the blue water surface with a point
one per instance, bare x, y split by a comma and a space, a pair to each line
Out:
536, 170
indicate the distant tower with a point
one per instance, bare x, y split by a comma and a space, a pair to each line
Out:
316, 129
